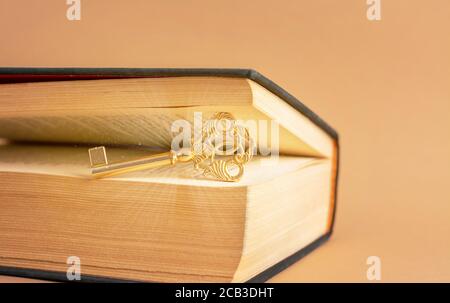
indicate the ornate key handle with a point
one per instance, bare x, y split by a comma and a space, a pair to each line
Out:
221, 151
222, 136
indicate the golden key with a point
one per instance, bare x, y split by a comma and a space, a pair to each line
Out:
221, 137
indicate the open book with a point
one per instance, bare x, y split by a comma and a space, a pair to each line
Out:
168, 224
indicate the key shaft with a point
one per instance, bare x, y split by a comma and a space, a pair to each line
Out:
153, 161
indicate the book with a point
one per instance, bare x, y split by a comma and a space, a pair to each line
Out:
167, 224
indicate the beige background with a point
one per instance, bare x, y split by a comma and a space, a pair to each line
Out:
384, 85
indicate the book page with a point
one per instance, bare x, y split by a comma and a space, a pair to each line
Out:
73, 161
